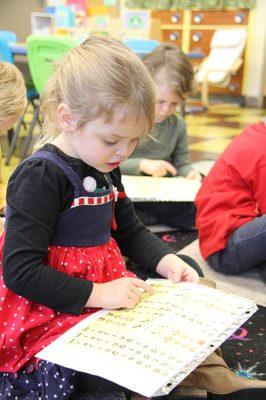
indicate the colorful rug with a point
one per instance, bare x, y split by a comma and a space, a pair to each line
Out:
245, 350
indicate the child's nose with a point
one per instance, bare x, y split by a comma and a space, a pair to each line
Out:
165, 108
123, 150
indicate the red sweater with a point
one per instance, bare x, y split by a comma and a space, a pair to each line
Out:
234, 191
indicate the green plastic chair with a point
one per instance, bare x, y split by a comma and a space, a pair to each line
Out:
42, 51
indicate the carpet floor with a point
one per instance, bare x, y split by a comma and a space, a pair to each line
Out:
245, 350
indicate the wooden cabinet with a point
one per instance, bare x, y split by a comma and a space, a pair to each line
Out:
173, 36
171, 25
192, 30
223, 17
168, 16
200, 40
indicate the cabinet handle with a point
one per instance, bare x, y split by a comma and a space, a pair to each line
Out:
196, 37
175, 18
174, 36
239, 18
198, 18
233, 87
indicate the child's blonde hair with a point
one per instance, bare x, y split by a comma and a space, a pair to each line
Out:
12, 91
178, 71
95, 79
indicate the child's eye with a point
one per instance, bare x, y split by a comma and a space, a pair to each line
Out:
109, 143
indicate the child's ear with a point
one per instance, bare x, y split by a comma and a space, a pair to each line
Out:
66, 118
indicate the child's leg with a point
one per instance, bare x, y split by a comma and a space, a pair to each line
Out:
245, 249
99, 396
87, 383
45, 381
179, 215
146, 211
214, 376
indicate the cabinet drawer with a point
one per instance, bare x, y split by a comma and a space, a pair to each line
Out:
225, 17
234, 87
168, 17
173, 36
200, 40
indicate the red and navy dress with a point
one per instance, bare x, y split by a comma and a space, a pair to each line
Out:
79, 249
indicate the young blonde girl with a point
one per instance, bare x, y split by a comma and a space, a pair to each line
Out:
68, 218
12, 103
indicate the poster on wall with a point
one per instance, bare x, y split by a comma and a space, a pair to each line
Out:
55, 3
136, 20
110, 3
79, 5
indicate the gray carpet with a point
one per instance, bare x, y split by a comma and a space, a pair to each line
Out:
248, 284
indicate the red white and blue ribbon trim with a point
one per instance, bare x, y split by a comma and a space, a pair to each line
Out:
97, 200
92, 201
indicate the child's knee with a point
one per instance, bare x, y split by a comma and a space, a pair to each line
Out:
222, 264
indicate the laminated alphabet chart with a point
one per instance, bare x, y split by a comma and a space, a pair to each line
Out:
147, 188
153, 347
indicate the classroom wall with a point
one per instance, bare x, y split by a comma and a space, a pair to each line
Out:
15, 16
256, 70
99, 7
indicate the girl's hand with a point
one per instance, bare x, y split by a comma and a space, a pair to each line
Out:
120, 293
194, 174
182, 273
157, 167
177, 270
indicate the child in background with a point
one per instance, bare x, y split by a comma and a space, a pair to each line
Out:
12, 103
166, 153
67, 219
231, 206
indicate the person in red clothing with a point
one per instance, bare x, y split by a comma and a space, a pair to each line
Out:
231, 206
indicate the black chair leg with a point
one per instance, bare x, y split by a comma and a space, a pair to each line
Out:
14, 139
29, 136
182, 108
10, 134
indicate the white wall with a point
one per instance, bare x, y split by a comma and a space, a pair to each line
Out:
15, 16
256, 68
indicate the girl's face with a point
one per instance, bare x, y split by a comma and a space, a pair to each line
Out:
105, 145
166, 102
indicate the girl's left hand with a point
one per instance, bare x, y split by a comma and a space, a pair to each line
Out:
182, 273
177, 270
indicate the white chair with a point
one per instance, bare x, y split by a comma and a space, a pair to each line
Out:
227, 47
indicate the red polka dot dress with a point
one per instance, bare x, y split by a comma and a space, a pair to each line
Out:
78, 250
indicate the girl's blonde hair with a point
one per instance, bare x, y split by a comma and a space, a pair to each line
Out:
178, 71
95, 79
12, 91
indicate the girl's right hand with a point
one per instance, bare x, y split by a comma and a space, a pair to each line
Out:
120, 293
